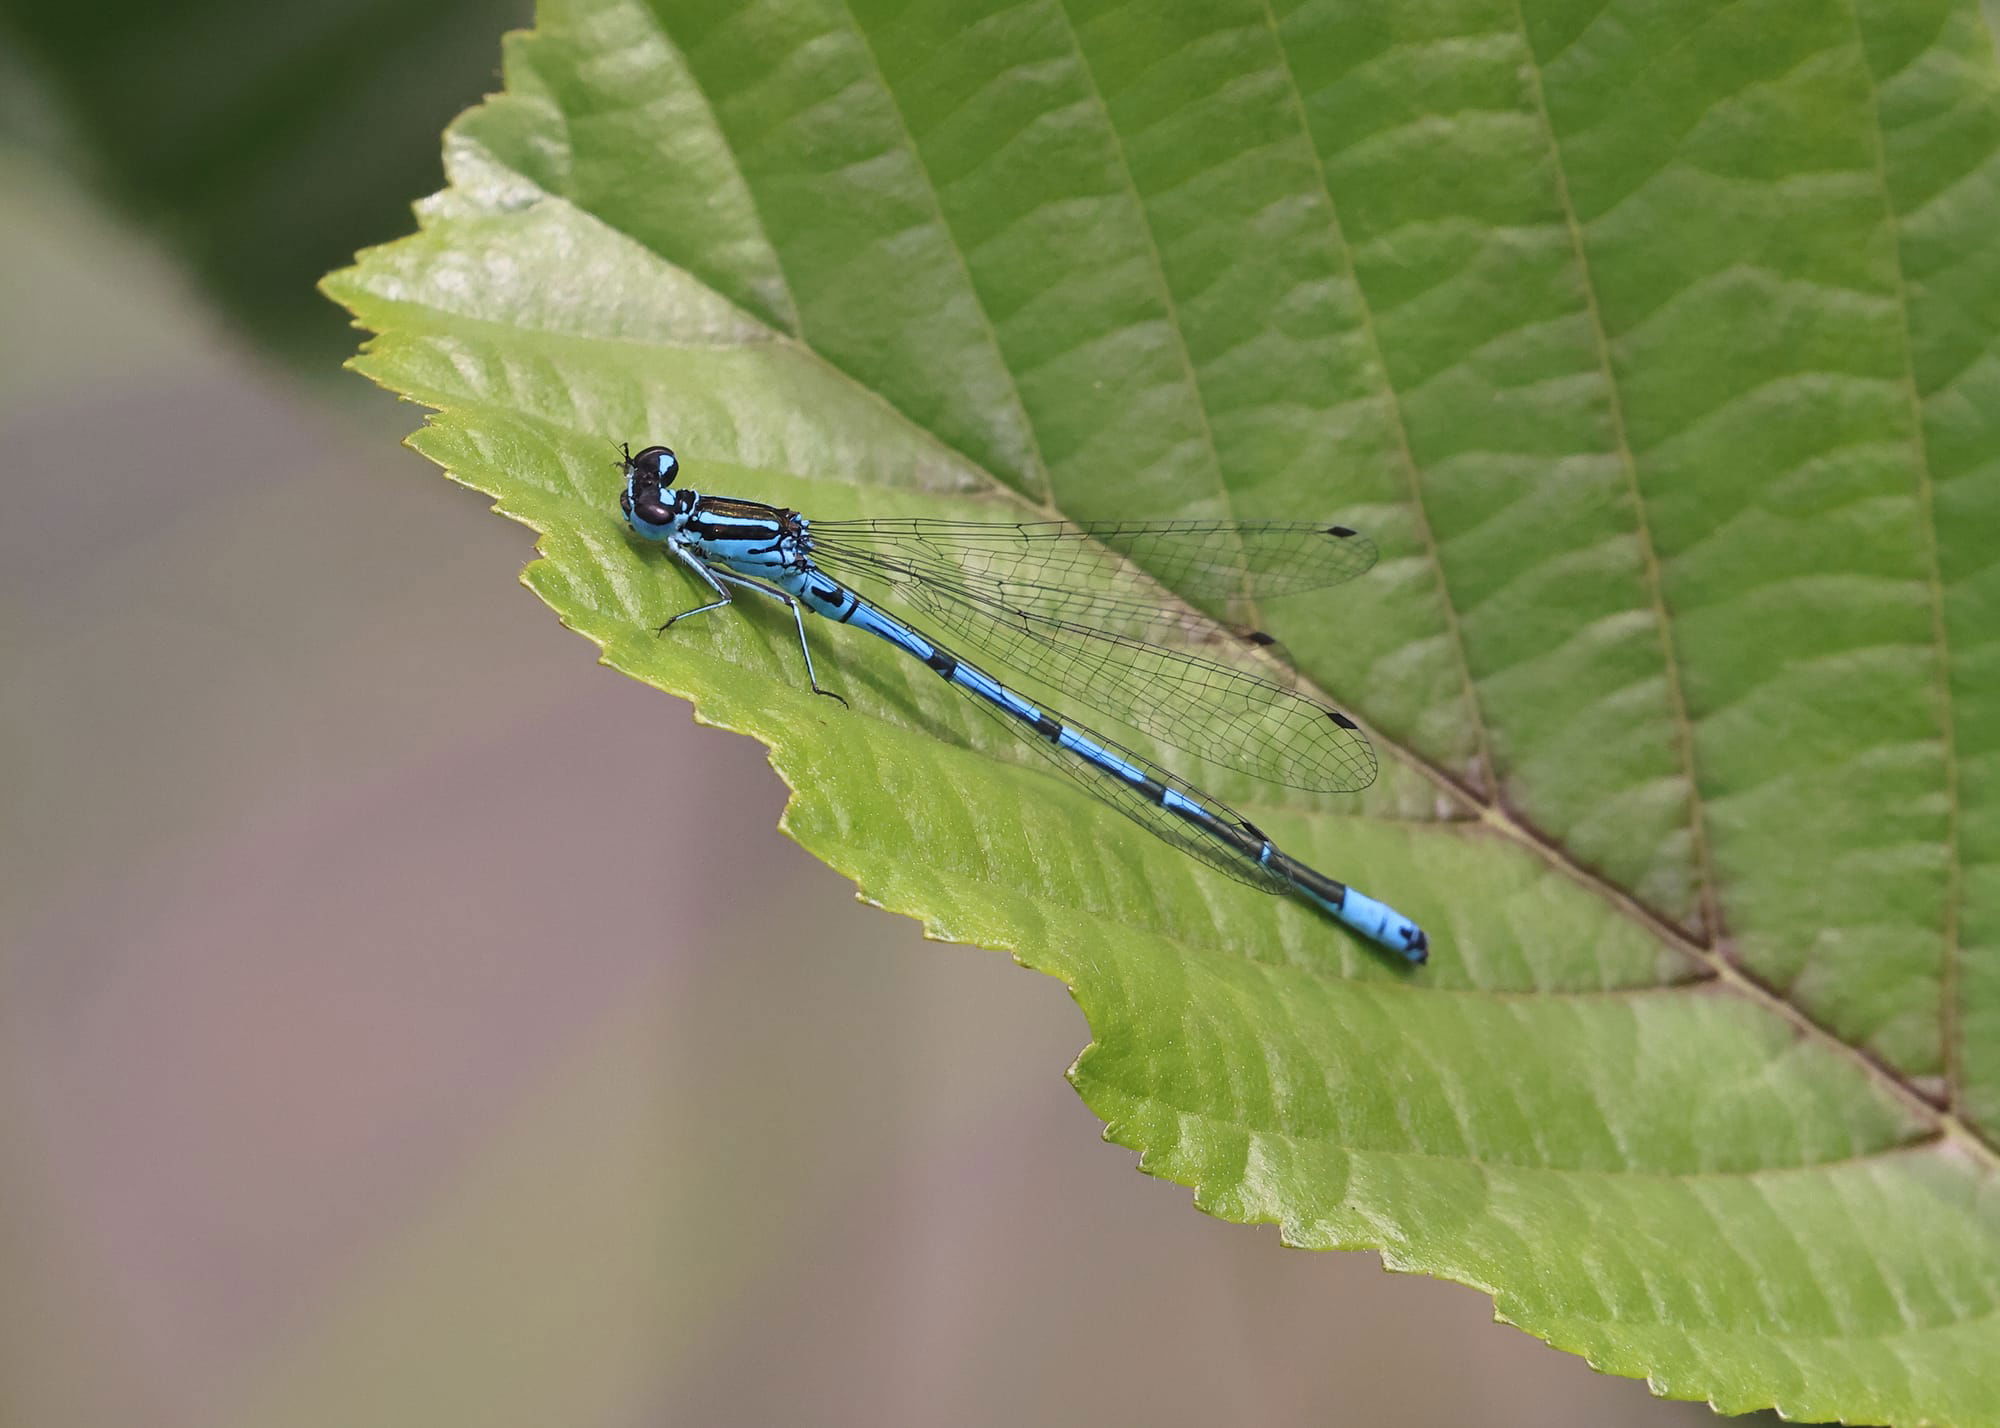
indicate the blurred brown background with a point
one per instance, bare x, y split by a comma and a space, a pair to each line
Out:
383, 1045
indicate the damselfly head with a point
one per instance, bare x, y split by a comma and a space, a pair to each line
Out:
656, 464
647, 476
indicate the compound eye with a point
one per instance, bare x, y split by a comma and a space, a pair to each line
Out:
658, 464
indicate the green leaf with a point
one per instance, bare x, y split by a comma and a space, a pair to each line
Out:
1656, 347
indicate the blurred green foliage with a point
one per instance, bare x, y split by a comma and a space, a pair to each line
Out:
262, 143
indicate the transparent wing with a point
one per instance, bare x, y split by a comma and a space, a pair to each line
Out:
1103, 647
1039, 559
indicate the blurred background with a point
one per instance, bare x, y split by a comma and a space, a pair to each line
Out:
359, 1065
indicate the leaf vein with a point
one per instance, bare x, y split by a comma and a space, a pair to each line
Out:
951, 241
1706, 896
1950, 1030
1480, 792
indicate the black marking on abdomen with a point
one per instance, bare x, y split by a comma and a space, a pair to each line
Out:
1050, 729
1328, 890
1239, 833
943, 663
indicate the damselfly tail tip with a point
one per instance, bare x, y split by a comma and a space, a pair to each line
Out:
1418, 948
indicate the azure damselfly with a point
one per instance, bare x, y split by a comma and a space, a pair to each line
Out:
1003, 586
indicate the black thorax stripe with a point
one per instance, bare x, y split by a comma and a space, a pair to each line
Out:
716, 531
723, 508
719, 518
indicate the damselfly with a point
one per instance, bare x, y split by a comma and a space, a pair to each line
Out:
1003, 586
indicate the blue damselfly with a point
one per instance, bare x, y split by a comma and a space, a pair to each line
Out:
1002, 586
